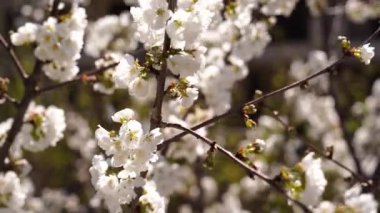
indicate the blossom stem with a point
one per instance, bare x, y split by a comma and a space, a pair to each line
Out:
372, 36
250, 171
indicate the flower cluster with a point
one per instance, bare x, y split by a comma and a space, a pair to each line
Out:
128, 74
42, 128
59, 42
130, 152
354, 201
151, 19
315, 181
306, 181
12, 194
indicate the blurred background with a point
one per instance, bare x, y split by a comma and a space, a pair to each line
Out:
293, 37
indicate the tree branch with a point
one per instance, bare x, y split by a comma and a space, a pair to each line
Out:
20, 69
255, 101
156, 116
250, 171
260, 99
30, 93
78, 78
30, 84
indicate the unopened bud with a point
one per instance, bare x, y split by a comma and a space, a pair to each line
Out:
249, 123
249, 109
345, 44
256, 147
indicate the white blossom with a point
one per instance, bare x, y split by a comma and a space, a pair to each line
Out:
123, 115
4, 128
151, 18
314, 178
360, 202
11, 192
152, 200
25, 34
366, 53
59, 44
185, 64
42, 127
130, 150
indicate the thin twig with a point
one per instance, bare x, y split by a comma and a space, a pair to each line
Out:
372, 36
255, 101
358, 177
9, 99
20, 69
250, 171
76, 79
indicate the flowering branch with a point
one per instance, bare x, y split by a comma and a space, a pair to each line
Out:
15, 59
236, 110
250, 171
30, 84
78, 78
254, 101
30, 93
156, 116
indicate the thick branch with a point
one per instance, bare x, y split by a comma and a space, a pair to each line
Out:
250, 171
30, 94
156, 116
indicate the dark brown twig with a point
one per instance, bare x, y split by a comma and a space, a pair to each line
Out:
250, 171
156, 114
255, 101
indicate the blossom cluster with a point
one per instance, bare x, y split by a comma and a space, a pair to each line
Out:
59, 42
42, 128
129, 153
128, 74
203, 48
354, 201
